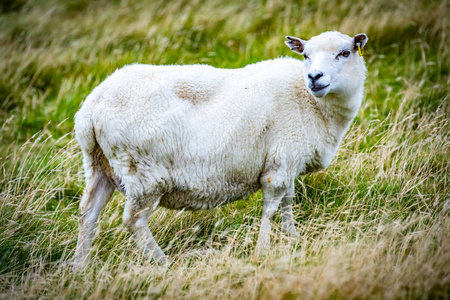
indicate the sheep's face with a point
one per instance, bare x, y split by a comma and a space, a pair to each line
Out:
332, 64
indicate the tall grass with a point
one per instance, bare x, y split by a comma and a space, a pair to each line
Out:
375, 224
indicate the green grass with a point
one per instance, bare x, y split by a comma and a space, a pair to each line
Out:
375, 224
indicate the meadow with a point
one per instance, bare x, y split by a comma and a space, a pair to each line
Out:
374, 225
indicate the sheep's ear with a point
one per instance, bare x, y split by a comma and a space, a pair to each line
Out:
297, 45
360, 38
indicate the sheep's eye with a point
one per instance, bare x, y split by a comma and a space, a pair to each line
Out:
345, 53
305, 56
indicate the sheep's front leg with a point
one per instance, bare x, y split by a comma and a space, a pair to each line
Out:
272, 197
135, 216
286, 213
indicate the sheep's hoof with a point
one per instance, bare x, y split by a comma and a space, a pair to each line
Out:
262, 247
262, 252
162, 263
77, 266
291, 232
160, 260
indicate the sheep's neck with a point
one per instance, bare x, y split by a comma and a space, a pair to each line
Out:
339, 113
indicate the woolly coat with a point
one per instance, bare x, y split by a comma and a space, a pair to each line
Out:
200, 136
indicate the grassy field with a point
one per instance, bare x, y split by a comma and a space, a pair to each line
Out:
374, 225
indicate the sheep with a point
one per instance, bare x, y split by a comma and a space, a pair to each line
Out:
198, 137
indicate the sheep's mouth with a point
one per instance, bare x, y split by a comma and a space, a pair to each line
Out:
317, 88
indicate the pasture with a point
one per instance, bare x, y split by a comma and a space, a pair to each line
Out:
374, 225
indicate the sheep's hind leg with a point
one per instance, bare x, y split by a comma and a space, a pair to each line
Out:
135, 216
96, 195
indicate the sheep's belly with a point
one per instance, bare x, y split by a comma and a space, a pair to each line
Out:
203, 199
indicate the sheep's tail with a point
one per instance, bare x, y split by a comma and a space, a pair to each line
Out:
94, 160
85, 135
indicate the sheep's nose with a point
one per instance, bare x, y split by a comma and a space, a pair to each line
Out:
315, 75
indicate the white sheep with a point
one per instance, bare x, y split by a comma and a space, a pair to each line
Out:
197, 137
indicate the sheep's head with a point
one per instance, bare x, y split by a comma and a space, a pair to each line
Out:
332, 63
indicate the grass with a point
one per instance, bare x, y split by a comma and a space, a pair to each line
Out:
375, 224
